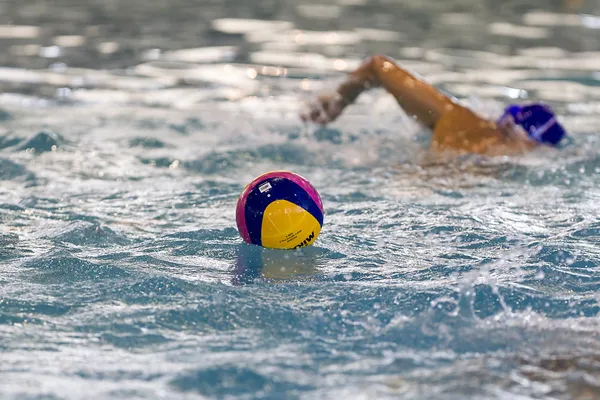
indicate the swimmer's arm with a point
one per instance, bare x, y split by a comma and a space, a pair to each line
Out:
415, 96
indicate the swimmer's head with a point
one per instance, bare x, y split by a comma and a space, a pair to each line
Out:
536, 121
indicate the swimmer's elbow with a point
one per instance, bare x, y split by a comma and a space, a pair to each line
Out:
367, 75
377, 64
379, 59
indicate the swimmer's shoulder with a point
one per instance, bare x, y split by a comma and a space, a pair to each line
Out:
462, 130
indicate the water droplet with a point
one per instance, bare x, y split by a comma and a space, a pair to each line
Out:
540, 275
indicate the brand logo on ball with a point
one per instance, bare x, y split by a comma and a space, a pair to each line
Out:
306, 241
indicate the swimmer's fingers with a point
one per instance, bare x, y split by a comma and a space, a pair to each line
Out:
316, 113
325, 109
311, 114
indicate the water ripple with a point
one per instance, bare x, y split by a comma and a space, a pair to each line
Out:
83, 233
125, 143
59, 267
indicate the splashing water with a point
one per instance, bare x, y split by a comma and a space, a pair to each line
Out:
127, 133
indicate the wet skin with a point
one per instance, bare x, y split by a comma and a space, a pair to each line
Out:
455, 127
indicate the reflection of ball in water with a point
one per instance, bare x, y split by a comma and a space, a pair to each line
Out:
280, 210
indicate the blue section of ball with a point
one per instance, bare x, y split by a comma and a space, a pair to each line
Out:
281, 189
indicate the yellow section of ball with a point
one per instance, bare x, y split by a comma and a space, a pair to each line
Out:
286, 225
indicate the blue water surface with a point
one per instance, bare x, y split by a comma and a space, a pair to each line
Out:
124, 144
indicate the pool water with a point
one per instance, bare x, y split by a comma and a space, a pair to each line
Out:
128, 129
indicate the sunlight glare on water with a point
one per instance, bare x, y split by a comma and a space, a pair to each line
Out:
128, 129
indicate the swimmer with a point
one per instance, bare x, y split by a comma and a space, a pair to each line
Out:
455, 127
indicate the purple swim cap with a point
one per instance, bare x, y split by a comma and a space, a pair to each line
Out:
537, 120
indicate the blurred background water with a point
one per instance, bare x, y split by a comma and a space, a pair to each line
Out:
128, 128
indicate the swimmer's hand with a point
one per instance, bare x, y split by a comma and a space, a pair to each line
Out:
326, 108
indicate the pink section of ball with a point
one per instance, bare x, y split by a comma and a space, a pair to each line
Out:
240, 216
